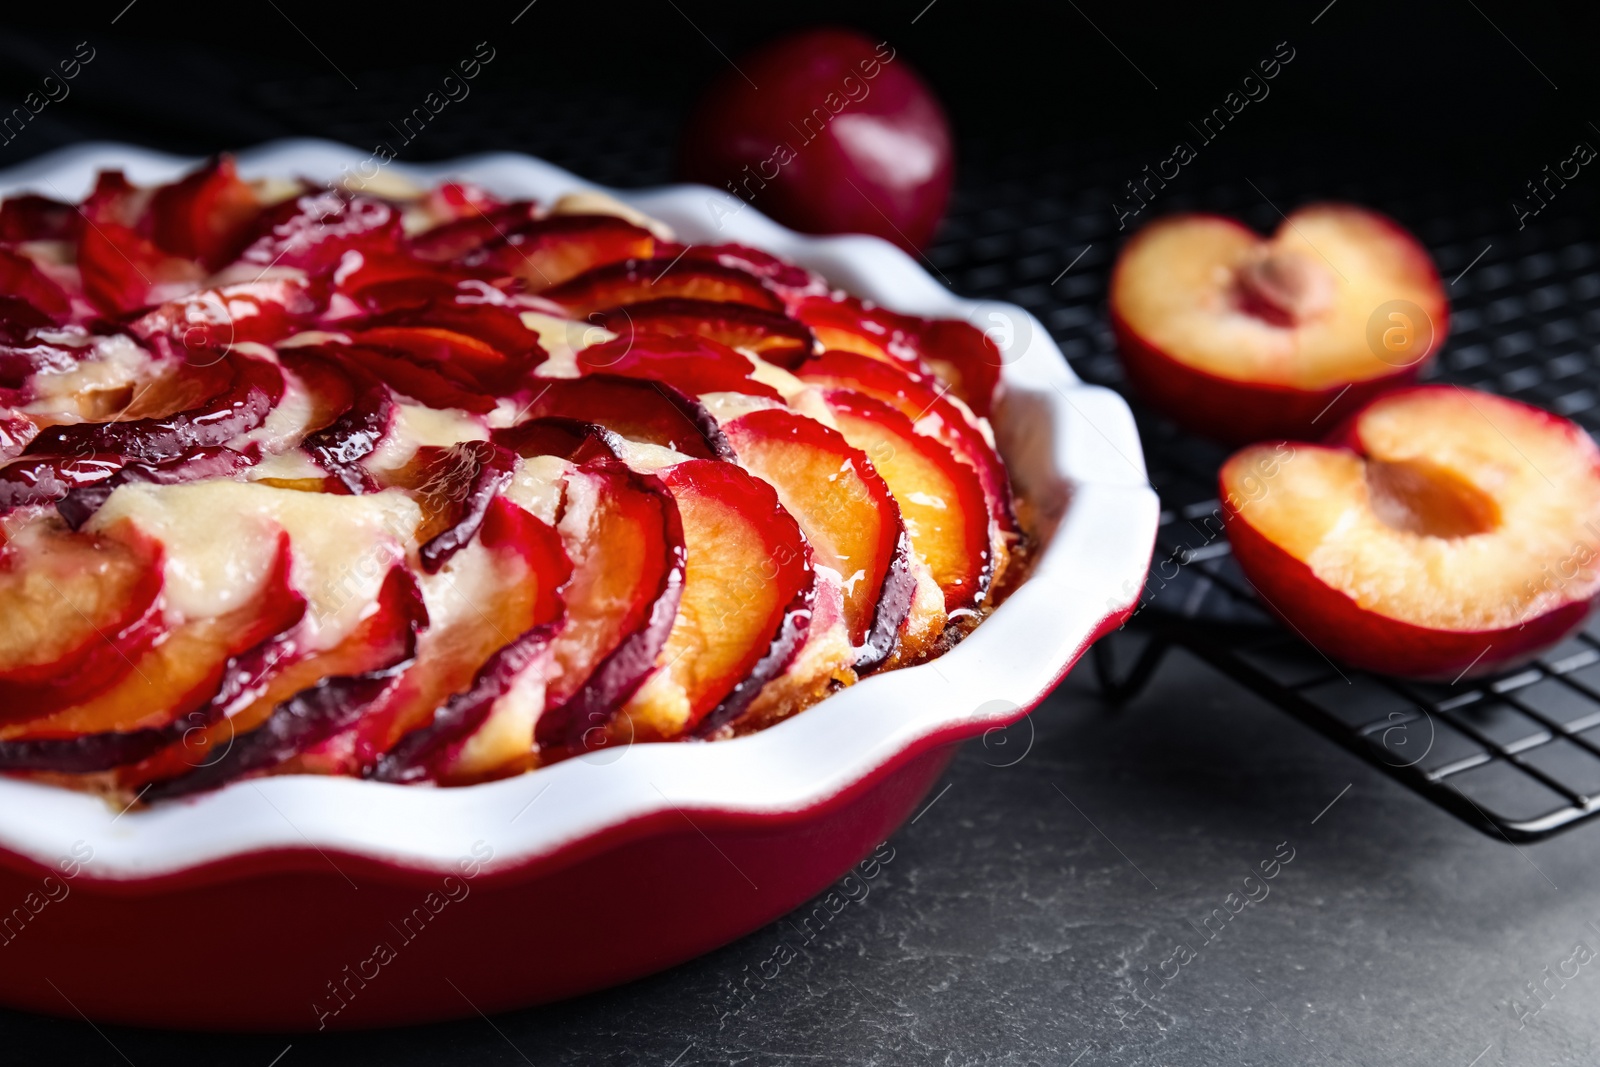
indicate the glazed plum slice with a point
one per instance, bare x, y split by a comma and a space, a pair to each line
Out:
924, 402
276, 725
694, 365
553, 435
634, 281
265, 310
745, 608
546, 252
31, 480
941, 500
476, 313
21, 279
458, 484
774, 337
172, 677
457, 355
315, 231
494, 699
78, 609
206, 215
31, 217
848, 514
636, 408
625, 538
253, 387
362, 415
954, 351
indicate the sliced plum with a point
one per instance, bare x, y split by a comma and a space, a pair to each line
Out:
745, 608
625, 539
923, 401
353, 434
206, 215
847, 512
634, 281
31, 217
22, 279
955, 351
636, 408
458, 484
254, 387
774, 337
78, 609
389, 640
175, 675
553, 435
941, 499
694, 365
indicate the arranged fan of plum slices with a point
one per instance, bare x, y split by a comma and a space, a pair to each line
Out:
440, 487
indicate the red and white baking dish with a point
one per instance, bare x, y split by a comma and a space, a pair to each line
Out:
301, 902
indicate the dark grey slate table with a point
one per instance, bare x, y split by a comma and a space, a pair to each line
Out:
1033, 913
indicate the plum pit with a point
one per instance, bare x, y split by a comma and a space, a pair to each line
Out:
1424, 498
1285, 286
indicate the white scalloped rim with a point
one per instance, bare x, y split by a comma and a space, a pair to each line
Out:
1072, 449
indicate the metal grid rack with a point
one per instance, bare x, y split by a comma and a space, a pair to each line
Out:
1518, 756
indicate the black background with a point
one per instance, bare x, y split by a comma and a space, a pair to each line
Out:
1418, 87
1006, 927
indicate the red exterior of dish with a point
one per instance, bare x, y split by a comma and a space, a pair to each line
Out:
254, 943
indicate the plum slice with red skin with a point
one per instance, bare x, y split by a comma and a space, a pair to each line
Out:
22, 279
78, 608
917, 398
553, 435
497, 325
254, 387
211, 461
745, 609
331, 703
31, 217
124, 271
31, 480
636, 408
848, 514
451, 240
634, 281
266, 310
694, 365
462, 481
506, 527
457, 354
206, 215
628, 570
542, 252
952, 350
241, 675
788, 280
459, 200
941, 499
16, 430
353, 433
774, 337
435, 384
314, 231
176, 675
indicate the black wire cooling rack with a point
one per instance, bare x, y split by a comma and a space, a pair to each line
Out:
1516, 756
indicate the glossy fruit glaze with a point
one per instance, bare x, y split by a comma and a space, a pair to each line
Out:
433, 487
